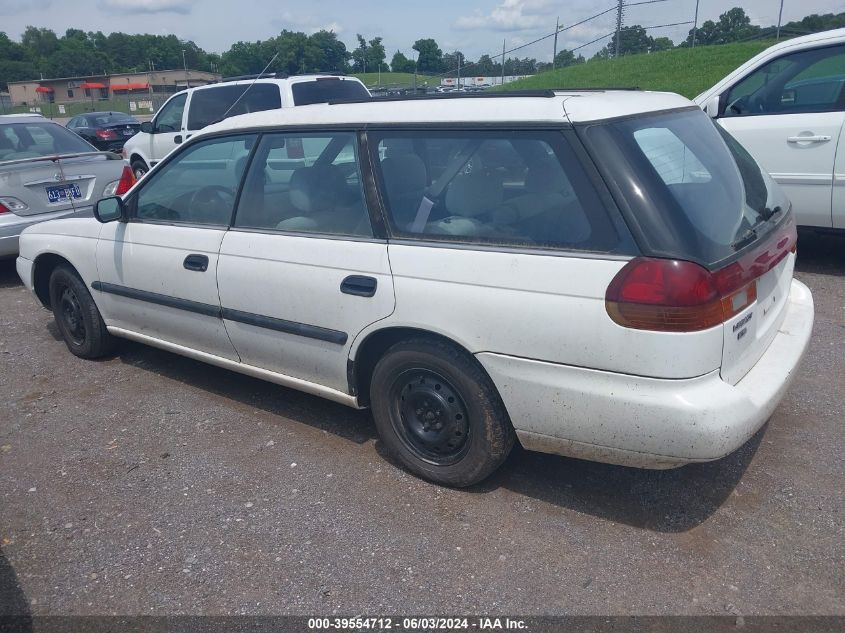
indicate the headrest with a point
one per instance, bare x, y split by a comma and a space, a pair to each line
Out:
473, 194
317, 188
403, 173
545, 177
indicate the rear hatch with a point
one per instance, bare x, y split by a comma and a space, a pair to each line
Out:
45, 168
694, 194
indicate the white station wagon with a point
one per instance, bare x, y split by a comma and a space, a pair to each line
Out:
604, 275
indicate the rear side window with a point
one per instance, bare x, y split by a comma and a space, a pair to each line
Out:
214, 104
327, 89
521, 188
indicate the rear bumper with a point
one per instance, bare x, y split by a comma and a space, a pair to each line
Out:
11, 226
649, 422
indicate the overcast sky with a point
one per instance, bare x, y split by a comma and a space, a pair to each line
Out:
472, 26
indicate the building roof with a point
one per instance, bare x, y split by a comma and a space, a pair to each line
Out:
539, 107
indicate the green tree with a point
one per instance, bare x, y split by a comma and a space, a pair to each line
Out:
401, 64
733, 25
662, 44
632, 40
430, 57
568, 58
335, 57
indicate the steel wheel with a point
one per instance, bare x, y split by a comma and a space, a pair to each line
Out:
429, 416
71, 316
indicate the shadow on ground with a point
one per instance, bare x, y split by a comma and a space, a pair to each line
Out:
14, 607
663, 501
8, 275
821, 252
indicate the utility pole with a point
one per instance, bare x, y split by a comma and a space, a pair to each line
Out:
780, 17
554, 54
503, 62
619, 25
458, 55
185, 66
695, 23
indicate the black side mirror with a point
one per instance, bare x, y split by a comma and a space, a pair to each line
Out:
147, 127
109, 209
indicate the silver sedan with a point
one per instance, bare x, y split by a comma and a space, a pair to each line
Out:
48, 172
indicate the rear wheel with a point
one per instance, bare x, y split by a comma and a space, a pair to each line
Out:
439, 413
77, 316
139, 168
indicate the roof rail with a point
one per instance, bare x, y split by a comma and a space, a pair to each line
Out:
451, 95
276, 76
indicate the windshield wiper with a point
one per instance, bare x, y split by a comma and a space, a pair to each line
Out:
745, 239
767, 214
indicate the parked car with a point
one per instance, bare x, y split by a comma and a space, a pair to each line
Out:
787, 107
605, 275
189, 111
47, 172
106, 131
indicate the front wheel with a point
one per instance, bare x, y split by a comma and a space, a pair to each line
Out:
139, 168
77, 316
439, 413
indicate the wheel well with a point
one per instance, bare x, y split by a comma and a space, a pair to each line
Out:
134, 157
44, 266
360, 370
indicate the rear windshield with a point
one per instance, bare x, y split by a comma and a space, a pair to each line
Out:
31, 140
109, 118
210, 105
328, 89
695, 191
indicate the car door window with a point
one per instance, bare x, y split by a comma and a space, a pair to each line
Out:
306, 183
520, 188
170, 117
806, 81
198, 186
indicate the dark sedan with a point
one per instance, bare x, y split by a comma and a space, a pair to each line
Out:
105, 130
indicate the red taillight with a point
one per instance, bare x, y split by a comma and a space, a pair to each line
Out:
4, 208
106, 135
127, 179
671, 295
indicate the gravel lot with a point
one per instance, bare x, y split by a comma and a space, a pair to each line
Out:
149, 483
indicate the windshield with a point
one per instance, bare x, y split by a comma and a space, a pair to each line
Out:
696, 192
31, 140
327, 89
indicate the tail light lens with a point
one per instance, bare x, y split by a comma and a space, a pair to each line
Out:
127, 179
670, 295
106, 135
3, 208
11, 205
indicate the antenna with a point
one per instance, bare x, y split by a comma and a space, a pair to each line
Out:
235, 102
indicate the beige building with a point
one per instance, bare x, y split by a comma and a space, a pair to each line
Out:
103, 87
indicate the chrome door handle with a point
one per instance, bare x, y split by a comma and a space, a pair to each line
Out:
808, 139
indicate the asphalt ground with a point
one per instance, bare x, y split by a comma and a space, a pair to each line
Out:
152, 484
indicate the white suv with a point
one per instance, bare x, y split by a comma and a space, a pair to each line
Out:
606, 275
189, 111
787, 107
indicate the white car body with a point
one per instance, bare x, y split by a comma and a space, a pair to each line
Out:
804, 151
573, 381
150, 147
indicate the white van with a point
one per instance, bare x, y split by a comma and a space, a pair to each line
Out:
605, 275
187, 112
787, 107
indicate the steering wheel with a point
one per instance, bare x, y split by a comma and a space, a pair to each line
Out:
211, 201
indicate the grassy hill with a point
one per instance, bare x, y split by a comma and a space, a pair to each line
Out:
396, 79
682, 70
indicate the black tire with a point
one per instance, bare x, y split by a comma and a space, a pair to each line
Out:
439, 413
139, 168
77, 316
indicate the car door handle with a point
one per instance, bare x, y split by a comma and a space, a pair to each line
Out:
199, 263
359, 285
808, 139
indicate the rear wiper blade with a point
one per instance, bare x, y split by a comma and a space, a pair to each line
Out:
745, 239
767, 214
